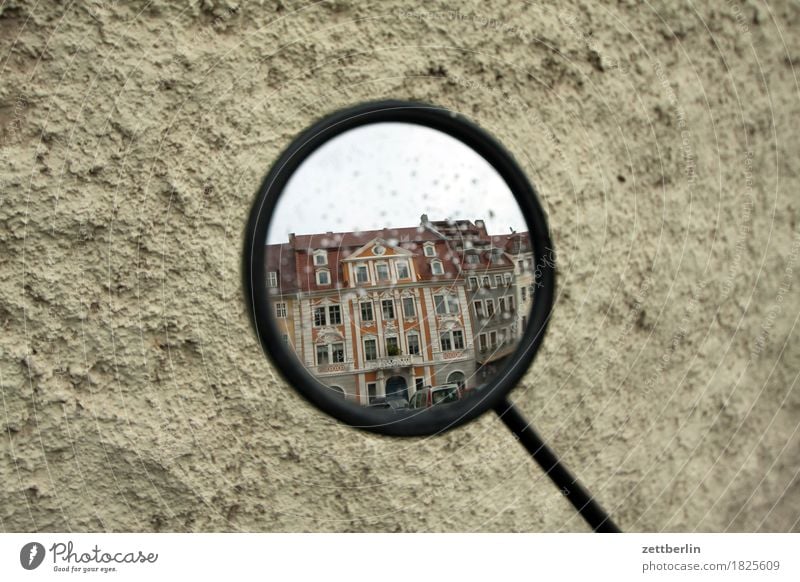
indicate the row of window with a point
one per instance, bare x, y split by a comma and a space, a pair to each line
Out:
485, 307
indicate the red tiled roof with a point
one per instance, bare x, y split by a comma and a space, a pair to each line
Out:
294, 261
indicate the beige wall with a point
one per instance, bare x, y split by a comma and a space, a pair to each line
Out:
664, 144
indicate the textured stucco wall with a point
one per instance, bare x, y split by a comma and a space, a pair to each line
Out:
663, 139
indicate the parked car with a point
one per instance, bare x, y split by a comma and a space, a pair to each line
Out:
435, 395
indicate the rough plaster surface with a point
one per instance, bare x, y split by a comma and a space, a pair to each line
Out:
664, 142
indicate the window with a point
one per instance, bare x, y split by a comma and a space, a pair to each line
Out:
320, 258
429, 250
478, 305
285, 338
413, 344
322, 355
408, 307
473, 282
319, 317
495, 256
362, 274
323, 277
272, 279
372, 391
482, 342
280, 310
402, 270
501, 304
370, 350
337, 353
446, 304
458, 340
493, 338
335, 314
489, 307
419, 384
445, 342
366, 312
507, 279
486, 281
382, 271
524, 293
511, 303
521, 266
472, 259
392, 346
498, 280
387, 308
436, 268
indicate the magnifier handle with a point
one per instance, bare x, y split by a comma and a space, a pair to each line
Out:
580, 498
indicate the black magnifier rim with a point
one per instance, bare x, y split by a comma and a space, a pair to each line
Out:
403, 423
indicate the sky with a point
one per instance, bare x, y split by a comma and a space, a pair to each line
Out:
388, 175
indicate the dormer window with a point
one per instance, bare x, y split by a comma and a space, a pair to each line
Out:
437, 268
323, 277
472, 259
320, 258
429, 250
362, 274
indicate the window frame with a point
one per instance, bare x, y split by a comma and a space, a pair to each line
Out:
327, 274
323, 255
374, 342
338, 309
411, 352
390, 302
409, 301
449, 302
281, 307
272, 279
320, 310
358, 269
378, 278
436, 264
429, 247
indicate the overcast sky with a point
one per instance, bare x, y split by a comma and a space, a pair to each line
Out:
387, 175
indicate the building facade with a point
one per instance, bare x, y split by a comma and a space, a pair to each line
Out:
383, 313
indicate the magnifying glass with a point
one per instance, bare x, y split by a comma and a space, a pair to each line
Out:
399, 273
